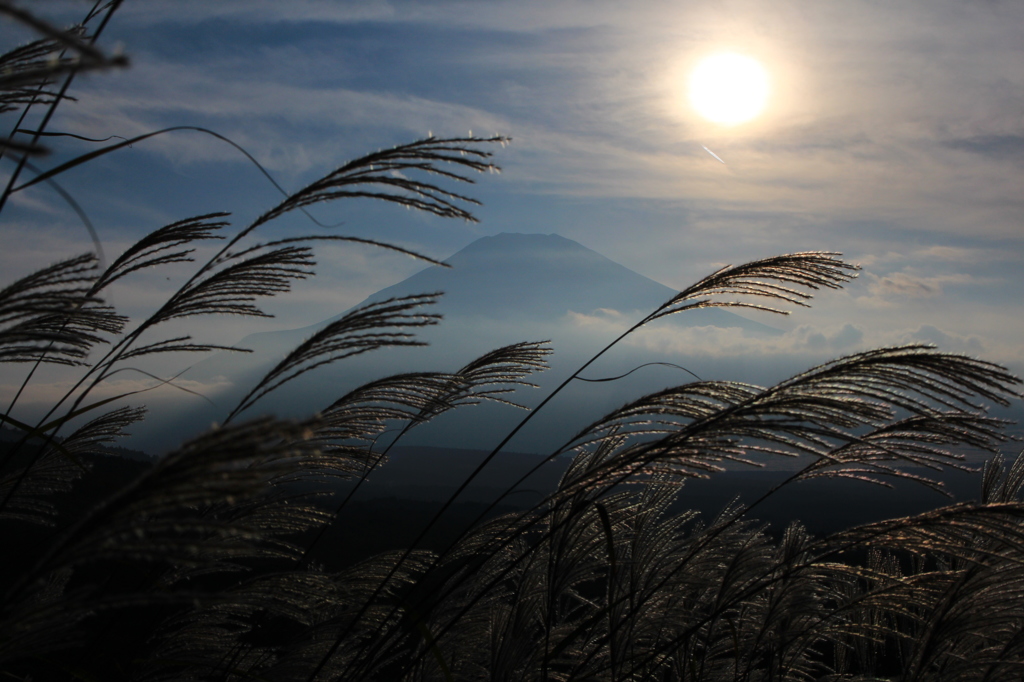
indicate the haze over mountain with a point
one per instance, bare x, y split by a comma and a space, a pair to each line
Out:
542, 277
499, 290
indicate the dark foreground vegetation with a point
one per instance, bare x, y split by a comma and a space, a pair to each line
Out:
204, 564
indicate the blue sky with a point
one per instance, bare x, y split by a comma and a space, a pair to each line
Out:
894, 134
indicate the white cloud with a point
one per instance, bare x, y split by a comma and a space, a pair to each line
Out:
804, 345
286, 127
885, 288
872, 109
256, 11
618, 130
958, 254
928, 333
902, 284
711, 341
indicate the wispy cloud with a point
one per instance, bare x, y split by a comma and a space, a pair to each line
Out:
906, 284
595, 102
894, 133
804, 345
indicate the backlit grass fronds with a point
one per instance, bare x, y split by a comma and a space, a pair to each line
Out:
198, 567
30, 58
373, 326
238, 279
390, 175
766, 278
365, 412
691, 429
43, 625
919, 441
278, 623
213, 499
215, 503
362, 415
85, 55
1002, 484
54, 316
27, 492
961, 613
28, 73
178, 344
772, 278
500, 372
164, 246
350, 427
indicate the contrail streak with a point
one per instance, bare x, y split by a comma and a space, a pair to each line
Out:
713, 154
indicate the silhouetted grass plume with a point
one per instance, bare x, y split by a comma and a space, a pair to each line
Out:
198, 565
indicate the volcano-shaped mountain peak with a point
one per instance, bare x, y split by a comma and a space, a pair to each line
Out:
498, 290
540, 278
535, 276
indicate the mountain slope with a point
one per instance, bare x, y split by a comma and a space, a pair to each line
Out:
542, 277
498, 290
531, 275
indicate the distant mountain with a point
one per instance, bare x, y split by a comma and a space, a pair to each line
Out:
541, 277
9, 436
823, 505
499, 290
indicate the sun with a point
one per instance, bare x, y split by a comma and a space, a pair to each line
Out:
728, 88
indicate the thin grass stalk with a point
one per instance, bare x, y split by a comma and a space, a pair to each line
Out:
362, 479
451, 499
99, 252
40, 88
48, 176
924, 643
707, 539
32, 101
417, 151
484, 379
114, 353
682, 301
127, 142
828, 550
23, 162
669, 307
111, 8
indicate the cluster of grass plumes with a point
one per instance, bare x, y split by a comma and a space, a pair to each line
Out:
200, 567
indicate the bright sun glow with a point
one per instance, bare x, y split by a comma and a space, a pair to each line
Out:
728, 88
